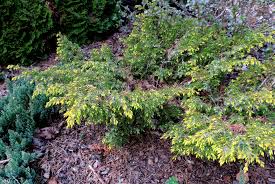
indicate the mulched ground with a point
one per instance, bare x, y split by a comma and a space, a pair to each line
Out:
77, 156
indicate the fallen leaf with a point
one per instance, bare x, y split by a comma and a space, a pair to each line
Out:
52, 181
46, 175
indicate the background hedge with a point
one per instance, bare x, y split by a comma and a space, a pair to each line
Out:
25, 26
80, 20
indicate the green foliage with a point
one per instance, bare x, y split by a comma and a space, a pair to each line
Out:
132, 113
68, 51
157, 44
18, 118
80, 20
25, 26
2, 76
18, 170
154, 32
222, 122
94, 91
172, 180
168, 115
224, 90
228, 93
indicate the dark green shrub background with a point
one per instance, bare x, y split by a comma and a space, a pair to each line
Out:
28, 26
25, 26
82, 19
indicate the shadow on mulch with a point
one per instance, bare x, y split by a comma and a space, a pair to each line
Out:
76, 156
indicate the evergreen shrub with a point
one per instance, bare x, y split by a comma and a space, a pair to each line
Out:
80, 20
25, 30
27, 27
228, 94
95, 91
223, 92
19, 116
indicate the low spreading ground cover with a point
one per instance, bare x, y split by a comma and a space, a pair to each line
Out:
222, 93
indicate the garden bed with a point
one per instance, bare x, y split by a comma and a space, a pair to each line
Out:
77, 156
208, 92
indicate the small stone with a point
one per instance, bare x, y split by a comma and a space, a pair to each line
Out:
46, 175
156, 159
37, 142
82, 164
96, 164
190, 162
96, 157
44, 166
272, 180
105, 171
74, 169
150, 161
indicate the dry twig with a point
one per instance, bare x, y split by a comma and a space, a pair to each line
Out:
96, 175
4, 161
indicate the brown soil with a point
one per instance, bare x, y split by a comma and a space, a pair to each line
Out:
76, 156
47, 63
114, 41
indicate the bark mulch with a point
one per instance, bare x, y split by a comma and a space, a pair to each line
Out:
77, 156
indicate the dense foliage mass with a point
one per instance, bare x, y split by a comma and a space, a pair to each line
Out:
19, 116
94, 91
220, 90
228, 94
81, 20
25, 26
